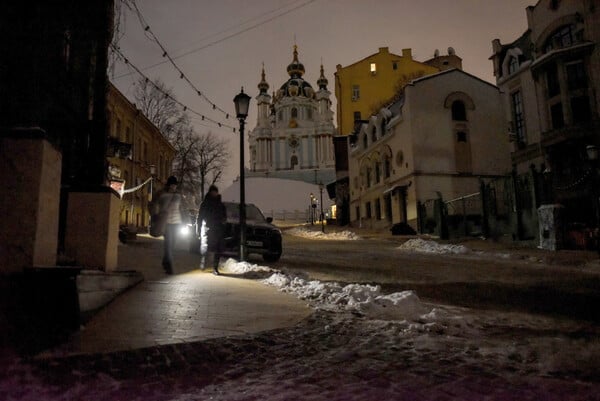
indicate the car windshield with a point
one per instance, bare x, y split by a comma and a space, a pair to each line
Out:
252, 212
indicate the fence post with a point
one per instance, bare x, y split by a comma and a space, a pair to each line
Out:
485, 225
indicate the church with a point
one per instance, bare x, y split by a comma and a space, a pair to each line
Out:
294, 130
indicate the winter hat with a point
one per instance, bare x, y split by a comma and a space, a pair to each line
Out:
172, 180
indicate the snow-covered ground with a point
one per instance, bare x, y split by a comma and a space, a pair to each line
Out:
312, 234
360, 344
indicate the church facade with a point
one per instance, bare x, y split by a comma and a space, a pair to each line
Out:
293, 135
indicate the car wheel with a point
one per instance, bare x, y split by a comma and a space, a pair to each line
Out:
271, 257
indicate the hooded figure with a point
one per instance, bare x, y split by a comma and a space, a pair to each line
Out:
214, 215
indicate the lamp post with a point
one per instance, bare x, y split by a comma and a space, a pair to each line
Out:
242, 103
322, 216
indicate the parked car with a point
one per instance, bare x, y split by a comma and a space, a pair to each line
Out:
262, 237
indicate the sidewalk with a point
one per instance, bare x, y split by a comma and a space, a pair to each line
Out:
191, 305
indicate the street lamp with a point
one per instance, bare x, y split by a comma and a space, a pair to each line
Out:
322, 216
242, 103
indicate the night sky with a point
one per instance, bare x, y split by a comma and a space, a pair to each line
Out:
226, 42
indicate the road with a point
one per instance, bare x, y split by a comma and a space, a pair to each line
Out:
491, 280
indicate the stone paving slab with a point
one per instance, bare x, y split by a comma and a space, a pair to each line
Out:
184, 308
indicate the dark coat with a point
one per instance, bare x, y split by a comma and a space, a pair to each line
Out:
214, 214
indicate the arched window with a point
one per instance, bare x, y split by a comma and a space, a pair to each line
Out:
459, 113
562, 37
365, 141
294, 112
374, 134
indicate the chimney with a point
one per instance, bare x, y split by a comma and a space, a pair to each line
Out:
407, 53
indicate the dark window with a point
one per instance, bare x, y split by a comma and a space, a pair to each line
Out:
365, 141
580, 109
517, 114
368, 177
374, 134
387, 167
576, 77
294, 112
294, 161
552, 81
377, 172
461, 137
369, 213
558, 119
562, 37
357, 115
378, 209
357, 212
459, 113
394, 65
513, 65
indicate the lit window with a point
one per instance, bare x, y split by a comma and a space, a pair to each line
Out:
373, 68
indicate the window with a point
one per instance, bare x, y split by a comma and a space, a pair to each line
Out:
377, 172
374, 134
355, 92
576, 78
368, 177
378, 209
387, 167
145, 152
369, 213
552, 80
365, 141
580, 109
294, 161
556, 112
357, 115
513, 65
357, 212
517, 115
461, 137
395, 65
309, 114
459, 113
373, 68
118, 129
294, 112
562, 37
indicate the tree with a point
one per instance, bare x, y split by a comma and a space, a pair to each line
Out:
200, 158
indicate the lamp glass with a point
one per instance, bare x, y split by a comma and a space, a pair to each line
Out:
242, 103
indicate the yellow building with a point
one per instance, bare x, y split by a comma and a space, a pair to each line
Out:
136, 151
362, 88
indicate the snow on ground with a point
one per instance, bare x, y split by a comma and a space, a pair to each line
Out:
359, 344
424, 246
339, 235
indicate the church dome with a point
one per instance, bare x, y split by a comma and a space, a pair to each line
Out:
296, 85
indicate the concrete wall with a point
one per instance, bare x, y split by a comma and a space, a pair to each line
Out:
30, 170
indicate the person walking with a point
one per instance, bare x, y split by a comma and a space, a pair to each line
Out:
214, 215
171, 202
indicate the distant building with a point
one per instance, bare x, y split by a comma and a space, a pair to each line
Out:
136, 149
365, 86
293, 135
362, 89
443, 134
550, 78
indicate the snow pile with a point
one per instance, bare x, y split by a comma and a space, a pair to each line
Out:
306, 233
234, 267
362, 298
421, 246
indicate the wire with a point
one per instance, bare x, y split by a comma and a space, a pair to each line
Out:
166, 94
226, 37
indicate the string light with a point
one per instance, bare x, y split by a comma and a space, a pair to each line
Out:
166, 95
171, 60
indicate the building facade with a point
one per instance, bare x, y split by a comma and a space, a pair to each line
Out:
550, 78
366, 85
443, 135
137, 151
293, 135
